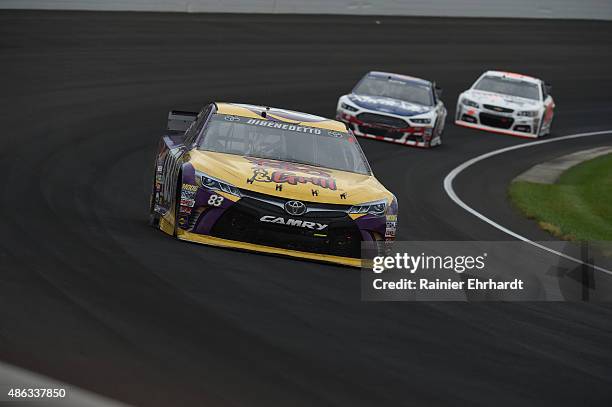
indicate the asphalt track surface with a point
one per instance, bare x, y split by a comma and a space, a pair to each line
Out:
92, 296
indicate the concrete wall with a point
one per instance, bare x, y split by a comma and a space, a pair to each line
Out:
584, 9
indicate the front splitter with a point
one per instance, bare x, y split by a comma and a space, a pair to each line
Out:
251, 247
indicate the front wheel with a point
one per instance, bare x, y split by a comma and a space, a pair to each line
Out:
541, 131
437, 132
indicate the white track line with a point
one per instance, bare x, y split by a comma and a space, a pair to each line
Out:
448, 187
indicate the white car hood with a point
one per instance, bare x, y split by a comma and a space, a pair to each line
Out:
510, 102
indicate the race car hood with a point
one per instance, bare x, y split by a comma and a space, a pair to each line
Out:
289, 180
511, 102
388, 105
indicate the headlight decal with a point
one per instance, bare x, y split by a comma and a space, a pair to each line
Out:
212, 183
348, 107
373, 208
469, 102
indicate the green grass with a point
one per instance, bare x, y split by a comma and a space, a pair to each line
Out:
577, 207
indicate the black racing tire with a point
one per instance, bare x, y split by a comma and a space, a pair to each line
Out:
434, 132
542, 125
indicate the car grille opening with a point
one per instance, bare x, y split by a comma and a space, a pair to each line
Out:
468, 118
380, 119
492, 120
523, 128
498, 109
242, 223
373, 131
415, 138
395, 135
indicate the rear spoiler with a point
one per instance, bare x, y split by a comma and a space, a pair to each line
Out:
179, 120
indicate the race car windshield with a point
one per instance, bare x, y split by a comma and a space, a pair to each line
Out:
507, 86
284, 141
412, 92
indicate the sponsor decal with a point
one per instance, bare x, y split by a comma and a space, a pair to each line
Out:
391, 226
265, 170
293, 222
185, 210
190, 188
283, 120
187, 194
284, 126
187, 202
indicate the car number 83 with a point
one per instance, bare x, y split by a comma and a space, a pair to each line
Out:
215, 200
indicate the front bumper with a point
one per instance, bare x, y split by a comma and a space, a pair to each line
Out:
257, 222
416, 136
509, 124
495, 130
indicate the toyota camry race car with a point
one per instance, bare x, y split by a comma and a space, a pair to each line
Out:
269, 180
396, 108
507, 103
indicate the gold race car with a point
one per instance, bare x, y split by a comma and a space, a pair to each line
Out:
269, 180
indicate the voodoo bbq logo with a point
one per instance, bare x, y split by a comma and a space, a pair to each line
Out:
285, 173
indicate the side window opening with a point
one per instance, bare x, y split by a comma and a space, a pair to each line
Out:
199, 124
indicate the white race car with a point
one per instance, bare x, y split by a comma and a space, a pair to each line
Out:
395, 108
507, 103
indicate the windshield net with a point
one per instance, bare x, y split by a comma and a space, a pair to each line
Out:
507, 86
412, 92
284, 141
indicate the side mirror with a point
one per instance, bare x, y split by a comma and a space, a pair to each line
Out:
548, 88
438, 91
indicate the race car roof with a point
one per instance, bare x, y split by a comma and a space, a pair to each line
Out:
504, 74
399, 77
283, 115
